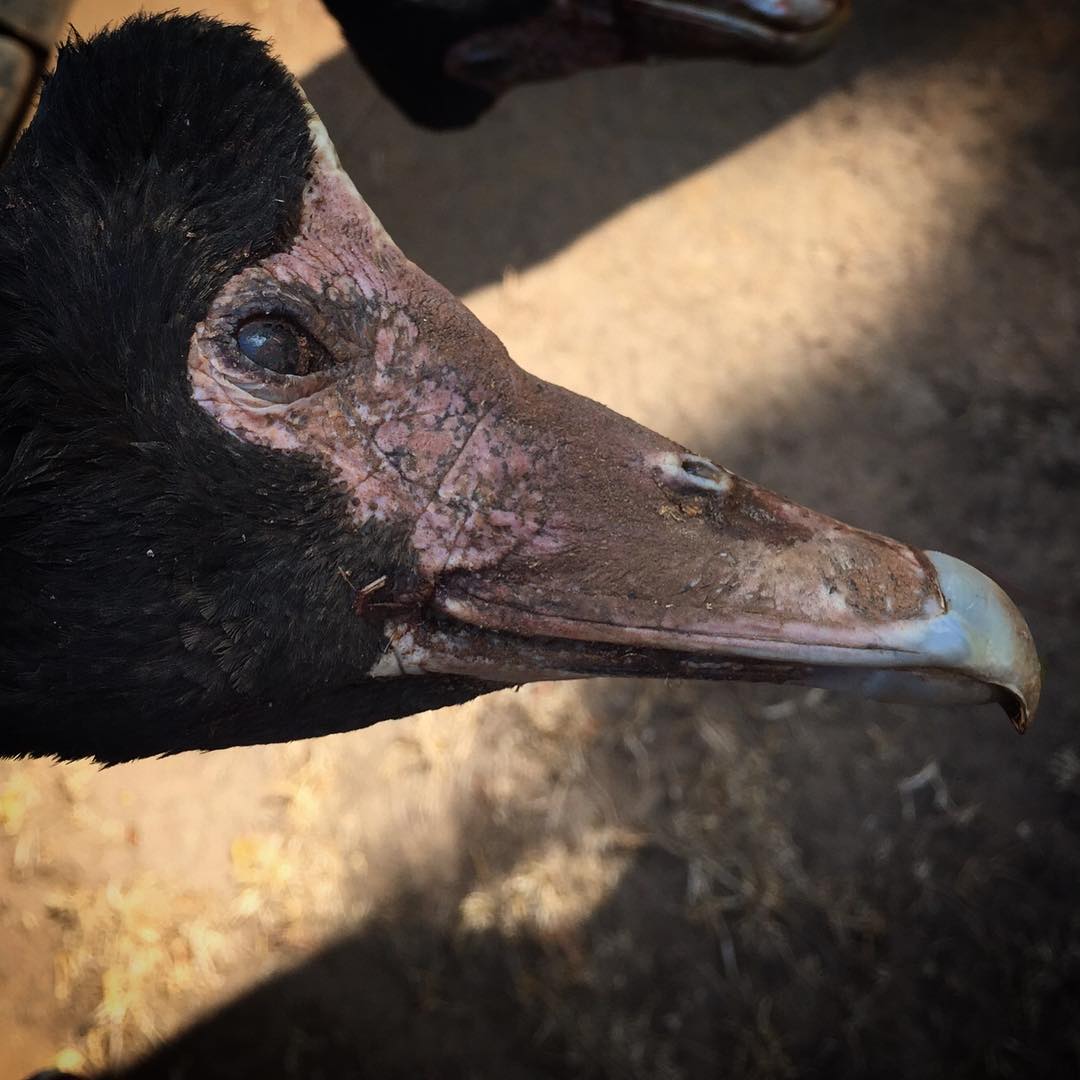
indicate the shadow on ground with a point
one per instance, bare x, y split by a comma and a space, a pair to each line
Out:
928, 943
795, 890
549, 163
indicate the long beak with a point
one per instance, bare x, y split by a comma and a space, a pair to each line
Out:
635, 557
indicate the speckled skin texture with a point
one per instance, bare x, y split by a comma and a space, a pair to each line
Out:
413, 437
529, 509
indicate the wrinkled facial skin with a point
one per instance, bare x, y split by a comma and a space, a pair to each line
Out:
413, 425
550, 537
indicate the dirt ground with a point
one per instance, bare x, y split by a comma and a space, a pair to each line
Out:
857, 282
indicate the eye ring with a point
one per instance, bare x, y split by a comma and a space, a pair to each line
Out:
279, 346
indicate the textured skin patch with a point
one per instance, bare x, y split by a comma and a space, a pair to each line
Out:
416, 435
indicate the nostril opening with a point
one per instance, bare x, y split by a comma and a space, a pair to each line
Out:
692, 474
700, 467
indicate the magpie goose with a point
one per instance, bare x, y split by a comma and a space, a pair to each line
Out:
261, 478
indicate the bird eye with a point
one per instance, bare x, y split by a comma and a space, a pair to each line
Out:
281, 347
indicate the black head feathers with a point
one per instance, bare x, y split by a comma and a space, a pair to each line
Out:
164, 155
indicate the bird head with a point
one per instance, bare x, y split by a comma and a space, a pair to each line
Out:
263, 478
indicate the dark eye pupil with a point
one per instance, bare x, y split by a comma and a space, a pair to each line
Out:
272, 344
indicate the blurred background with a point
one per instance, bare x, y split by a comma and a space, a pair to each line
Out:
857, 282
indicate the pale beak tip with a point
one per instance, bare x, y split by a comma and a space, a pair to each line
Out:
999, 648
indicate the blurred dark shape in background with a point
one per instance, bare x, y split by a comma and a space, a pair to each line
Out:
28, 30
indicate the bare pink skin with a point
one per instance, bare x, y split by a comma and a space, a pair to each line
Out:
549, 535
414, 438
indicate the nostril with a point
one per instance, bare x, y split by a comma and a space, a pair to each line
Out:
700, 467
692, 474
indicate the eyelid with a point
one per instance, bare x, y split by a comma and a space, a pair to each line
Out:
297, 387
270, 386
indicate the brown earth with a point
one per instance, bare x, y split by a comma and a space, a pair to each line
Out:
857, 282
